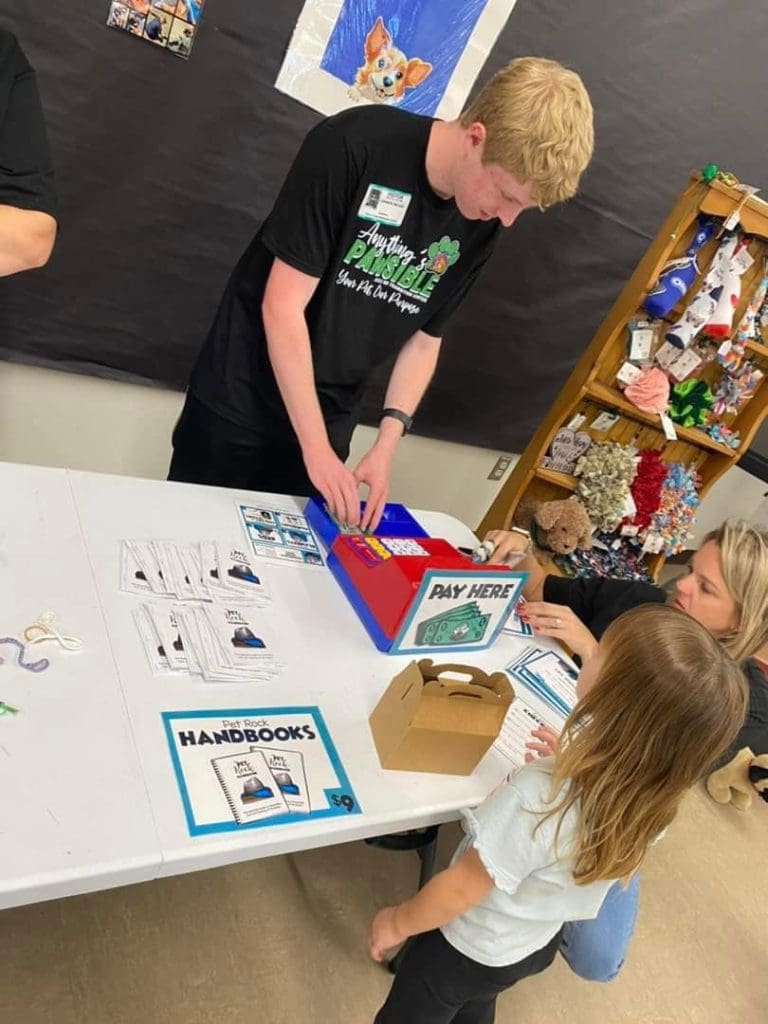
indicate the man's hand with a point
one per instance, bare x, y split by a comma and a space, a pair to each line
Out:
559, 622
384, 933
373, 470
336, 484
543, 742
509, 547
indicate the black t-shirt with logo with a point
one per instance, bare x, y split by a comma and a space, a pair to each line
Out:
392, 257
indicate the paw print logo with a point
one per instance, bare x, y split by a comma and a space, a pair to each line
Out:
442, 255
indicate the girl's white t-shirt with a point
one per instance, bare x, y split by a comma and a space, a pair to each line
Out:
534, 893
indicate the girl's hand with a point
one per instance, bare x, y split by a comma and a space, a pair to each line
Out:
559, 622
543, 744
384, 933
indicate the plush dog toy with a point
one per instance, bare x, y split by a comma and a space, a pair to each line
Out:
558, 526
738, 780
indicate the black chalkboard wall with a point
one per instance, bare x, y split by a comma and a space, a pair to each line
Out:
165, 168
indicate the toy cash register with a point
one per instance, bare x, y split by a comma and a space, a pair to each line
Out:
415, 593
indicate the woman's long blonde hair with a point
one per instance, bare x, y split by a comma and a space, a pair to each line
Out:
744, 565
667, 702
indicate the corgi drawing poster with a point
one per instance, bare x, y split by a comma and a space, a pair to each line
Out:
387, 72
417, 55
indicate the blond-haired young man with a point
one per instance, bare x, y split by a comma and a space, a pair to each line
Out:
381, 227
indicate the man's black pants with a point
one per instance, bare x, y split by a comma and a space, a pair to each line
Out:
208, 449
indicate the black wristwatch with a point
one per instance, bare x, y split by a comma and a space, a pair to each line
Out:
402, 417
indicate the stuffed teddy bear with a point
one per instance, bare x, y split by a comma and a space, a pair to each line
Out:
558, 526
737, 781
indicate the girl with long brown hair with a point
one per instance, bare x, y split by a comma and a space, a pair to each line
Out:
660, 700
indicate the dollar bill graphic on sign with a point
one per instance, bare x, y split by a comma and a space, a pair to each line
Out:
465, 624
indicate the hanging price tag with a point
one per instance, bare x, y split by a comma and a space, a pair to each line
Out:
668, 427
604, 422
667, 355
628, 373
576, 421
640, 344
685, 364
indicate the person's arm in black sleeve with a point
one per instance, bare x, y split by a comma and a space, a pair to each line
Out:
754, 731
302, 233
27, 198
577, 594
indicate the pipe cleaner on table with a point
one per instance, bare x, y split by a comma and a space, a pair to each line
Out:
21, 655
43, 629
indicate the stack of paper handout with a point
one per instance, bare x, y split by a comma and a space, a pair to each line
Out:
221, 631
220, 642
545, 693
207, 571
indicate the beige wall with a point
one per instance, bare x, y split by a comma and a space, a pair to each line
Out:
59, 419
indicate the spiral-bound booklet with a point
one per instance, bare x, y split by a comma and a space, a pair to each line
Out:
249, 786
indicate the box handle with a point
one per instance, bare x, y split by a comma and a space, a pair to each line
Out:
475, 675
481, 686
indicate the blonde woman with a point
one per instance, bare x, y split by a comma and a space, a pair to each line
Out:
726, 590
547, 846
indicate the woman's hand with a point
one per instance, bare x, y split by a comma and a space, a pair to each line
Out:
543, 743
559, 622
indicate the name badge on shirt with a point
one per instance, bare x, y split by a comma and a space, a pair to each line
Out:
385, 205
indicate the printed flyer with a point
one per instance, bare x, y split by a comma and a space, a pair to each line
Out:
256, 767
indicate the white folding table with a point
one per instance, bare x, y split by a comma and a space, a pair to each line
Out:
74, 810
88, 747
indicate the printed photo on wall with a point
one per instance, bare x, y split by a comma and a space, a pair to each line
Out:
170, 24
421, 55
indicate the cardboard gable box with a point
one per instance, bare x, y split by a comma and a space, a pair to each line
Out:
426, 721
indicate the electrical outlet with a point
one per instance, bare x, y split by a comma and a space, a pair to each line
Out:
500, 468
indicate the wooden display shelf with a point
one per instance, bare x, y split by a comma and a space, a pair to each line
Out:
611, 396
598, 364
567, 481
721, 201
